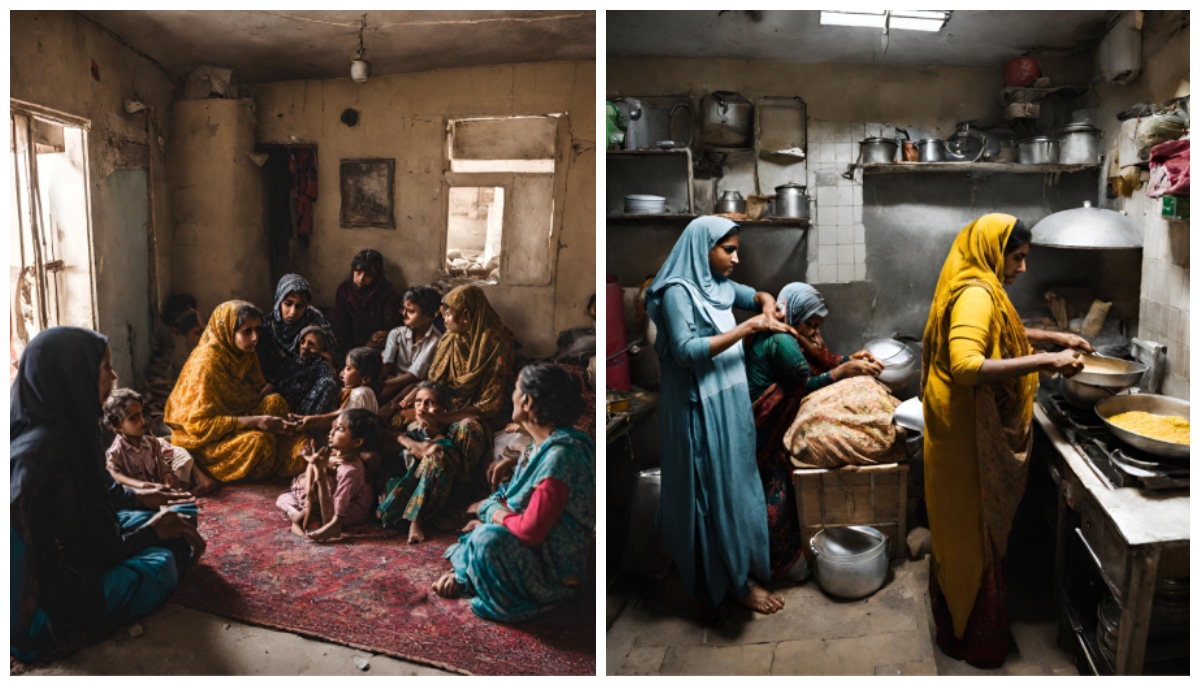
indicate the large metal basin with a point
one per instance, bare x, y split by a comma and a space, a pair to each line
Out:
851, 561
1154, 404
1085, 396
1110, 372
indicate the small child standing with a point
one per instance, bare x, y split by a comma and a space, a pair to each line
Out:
138, 460
334, 491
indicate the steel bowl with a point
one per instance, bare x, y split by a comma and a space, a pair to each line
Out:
851, 561
900, 362
1085, 396
1154, 404
1110, 372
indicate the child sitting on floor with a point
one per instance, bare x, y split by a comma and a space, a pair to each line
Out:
409, 349
138, 460
360, 381
334, 491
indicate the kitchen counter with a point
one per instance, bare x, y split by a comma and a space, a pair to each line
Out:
1133, 539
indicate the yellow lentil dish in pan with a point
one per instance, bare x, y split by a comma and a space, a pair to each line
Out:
1171, 429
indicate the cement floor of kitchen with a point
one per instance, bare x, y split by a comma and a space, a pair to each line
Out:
889, 633
180, 641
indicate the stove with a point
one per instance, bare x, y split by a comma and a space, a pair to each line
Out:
1121, 465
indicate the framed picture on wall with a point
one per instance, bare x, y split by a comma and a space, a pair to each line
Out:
368, 191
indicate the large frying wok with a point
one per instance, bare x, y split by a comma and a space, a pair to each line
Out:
1154, 404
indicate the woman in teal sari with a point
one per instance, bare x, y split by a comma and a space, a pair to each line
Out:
528, 552
713, 519
780, 374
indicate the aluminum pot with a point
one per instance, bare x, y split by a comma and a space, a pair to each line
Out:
851, 561
879, 150
932, 150
900, 362
1079, 144
1085, 396
791, 200
1038, 150
730, 201
726, 120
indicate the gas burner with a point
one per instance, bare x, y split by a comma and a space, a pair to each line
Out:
1120, 465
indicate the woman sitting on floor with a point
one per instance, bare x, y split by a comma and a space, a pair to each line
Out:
434, 463
529, 549
779, 376
86, 555
309, 386
222, 410
366, 306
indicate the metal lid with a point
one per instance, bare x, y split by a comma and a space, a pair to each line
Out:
923, 141
1088, 228
1080, 127
791, 185
876, 139
1038, 139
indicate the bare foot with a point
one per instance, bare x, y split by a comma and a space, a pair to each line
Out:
762, 601
205, 484
298, 530
415, 534
446, 586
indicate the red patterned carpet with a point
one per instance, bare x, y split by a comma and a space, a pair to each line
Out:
370, 592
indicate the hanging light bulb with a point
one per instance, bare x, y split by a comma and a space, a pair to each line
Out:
360, 69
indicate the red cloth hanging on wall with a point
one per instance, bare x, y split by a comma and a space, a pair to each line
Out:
304, 176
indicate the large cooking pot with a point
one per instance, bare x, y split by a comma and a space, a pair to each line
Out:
1038, 150
1154, 404
879, 150
791, 200
931, 150
726, 120
900, 362
1079, 144
851, 561
649, 124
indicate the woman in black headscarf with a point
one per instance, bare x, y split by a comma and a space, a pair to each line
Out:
310, 386
86, 555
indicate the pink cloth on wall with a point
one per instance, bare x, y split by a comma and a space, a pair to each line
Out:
1171, 168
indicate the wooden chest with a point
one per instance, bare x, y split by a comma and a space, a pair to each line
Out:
874, 495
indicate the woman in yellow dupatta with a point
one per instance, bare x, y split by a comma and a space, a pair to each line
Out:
222, 409
978, 380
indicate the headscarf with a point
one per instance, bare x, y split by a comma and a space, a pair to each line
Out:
468, 364
55, 445
287, 336
219, 383
362, 298
1003, 410
360, 312
688, 264
802, 301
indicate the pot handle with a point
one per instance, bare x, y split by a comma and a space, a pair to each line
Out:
691, 119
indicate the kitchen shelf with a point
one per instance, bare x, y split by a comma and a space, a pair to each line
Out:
1002, 167
649, 151
771, 221
648, 217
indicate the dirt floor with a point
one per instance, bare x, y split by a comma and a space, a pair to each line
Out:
176, 640
889, 633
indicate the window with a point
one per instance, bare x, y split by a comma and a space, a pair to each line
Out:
50, 248
500, 210
473, 235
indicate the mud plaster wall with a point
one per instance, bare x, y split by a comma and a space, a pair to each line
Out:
404, 117
50, 61
220, 248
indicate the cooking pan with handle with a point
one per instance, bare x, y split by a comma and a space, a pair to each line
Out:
1160, 405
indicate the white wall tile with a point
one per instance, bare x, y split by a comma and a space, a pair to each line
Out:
1177, 386
856, 212
845, 254
829, 254
860, 253
845, 273
845, 235
842, 131
813, 246
857, 197
845, 215
845, 196
827, 155
860, 233
860, 272
829, 235
828, 273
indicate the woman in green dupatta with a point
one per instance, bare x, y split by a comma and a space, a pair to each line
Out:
780, 374
713, 519
528, 551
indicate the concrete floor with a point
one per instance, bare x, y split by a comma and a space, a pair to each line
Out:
179, 641
889, 633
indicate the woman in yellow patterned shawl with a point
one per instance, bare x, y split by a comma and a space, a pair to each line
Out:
222, 410
978, 380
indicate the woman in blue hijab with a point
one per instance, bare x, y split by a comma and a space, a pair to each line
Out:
712, 517
781, 369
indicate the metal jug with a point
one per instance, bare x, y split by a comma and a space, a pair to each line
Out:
730, 201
